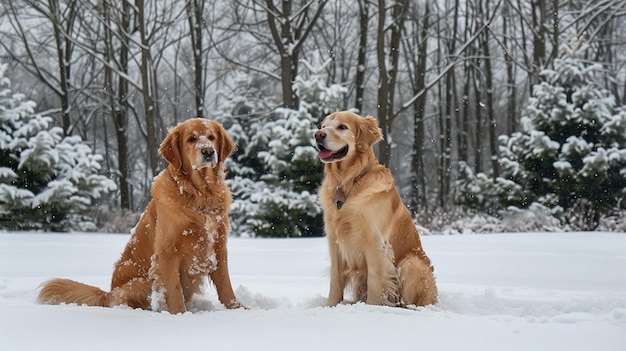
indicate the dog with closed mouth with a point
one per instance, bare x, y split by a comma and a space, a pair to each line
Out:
181, 236
375, 248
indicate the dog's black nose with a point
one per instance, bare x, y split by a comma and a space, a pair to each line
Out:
208, 153
320, 135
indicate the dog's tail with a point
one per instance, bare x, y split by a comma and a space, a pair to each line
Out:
57, 291
417, 281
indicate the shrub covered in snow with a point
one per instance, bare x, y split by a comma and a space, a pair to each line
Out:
569, 157
275, 173
461, 220
48, 181
243, 112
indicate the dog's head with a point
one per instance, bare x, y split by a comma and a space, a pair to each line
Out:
343, 134
195, 144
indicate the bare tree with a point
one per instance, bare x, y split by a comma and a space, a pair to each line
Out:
416, 56
511, 86
290, 27
489, 86
337, 33
148, 86
118, 56
463, 127
450, 103
599, 22
539, 31
389, 34
359, 81
195, 17
58, 18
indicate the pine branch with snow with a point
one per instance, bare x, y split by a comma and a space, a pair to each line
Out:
49, 181
568, 157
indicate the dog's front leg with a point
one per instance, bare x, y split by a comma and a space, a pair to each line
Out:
221, 276
337, 281
375, 291
382, 280
167, 292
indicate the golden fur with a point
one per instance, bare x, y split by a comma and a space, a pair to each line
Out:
180, 237
374, 245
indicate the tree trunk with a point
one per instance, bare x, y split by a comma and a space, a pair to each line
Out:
388, 74
294, 29
511, 88
118, 103
450, 109
148, 83
538, 9
64, 48
478, 106
441, 124
362, 55
462, 135
555, 30
418, 176
493, 138
195, 10
464, 125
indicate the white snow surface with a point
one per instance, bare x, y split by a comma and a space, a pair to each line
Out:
526, 291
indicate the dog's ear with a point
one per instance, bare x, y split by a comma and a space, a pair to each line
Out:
226, 145
370, 132
170, 148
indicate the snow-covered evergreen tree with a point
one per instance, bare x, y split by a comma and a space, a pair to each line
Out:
47, 181
570, 154
276, 172
244, 111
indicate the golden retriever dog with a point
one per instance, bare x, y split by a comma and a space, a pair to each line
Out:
180, 237
374, 246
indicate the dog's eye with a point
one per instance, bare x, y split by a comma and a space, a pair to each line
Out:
192, 139
212, 137
342, 127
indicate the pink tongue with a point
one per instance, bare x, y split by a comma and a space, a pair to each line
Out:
325, 153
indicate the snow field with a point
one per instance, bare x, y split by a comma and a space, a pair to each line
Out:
529, 291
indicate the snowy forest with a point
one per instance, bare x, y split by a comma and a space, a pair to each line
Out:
497, 115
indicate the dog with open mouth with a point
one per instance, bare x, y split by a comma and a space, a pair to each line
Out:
375, 248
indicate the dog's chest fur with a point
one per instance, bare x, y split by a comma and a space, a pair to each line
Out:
200, 258
352, 224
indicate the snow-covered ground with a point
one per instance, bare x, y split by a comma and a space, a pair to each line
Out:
530, 291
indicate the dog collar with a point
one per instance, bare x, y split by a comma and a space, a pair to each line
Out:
340, 195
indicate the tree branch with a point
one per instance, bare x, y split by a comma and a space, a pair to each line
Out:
447, 69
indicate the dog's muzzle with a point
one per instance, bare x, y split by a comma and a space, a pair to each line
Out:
326, 154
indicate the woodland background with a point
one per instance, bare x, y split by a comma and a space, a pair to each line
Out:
444, 78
